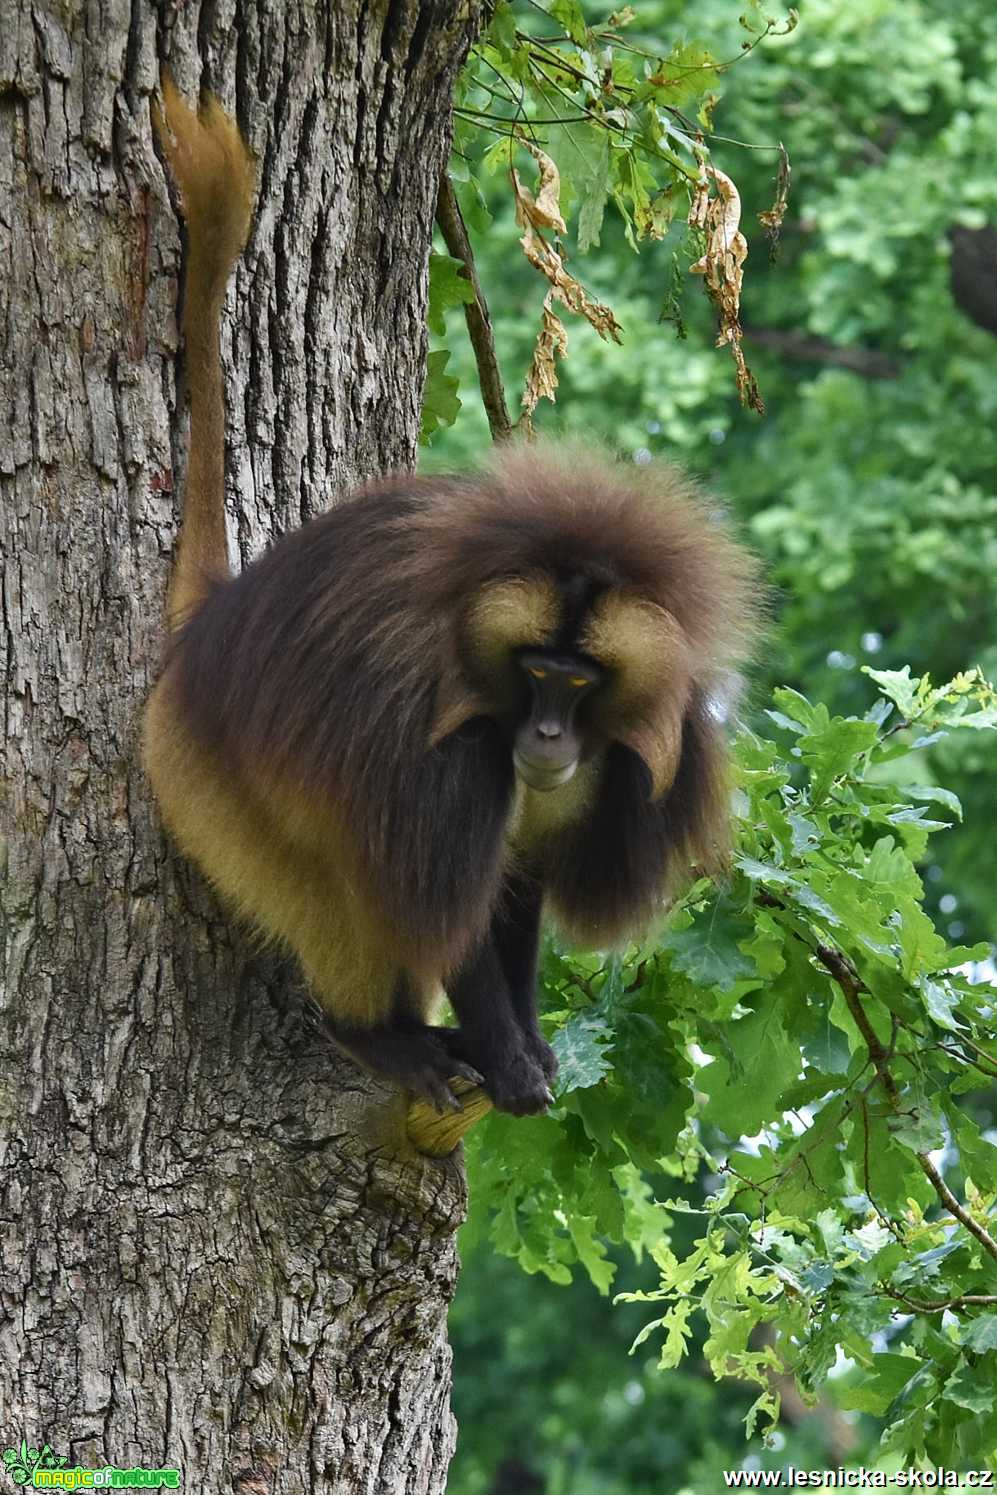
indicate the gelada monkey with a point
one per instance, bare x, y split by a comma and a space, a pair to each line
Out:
443, 707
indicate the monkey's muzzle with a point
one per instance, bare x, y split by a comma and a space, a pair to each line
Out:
543, 775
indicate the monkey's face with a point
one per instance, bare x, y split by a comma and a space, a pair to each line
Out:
549, 741
622, 675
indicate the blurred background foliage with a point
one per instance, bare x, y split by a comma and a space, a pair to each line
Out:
870, 489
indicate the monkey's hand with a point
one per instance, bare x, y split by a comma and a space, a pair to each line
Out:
517, 1084
541, 1052
414, 1057
515, 1078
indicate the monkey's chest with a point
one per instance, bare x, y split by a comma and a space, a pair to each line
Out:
539, 814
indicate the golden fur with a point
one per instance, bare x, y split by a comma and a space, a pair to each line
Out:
331, 737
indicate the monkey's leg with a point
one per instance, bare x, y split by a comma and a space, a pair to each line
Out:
491, 1036
295, 897
516, 932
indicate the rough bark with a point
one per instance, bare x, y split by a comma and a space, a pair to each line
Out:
217, 1248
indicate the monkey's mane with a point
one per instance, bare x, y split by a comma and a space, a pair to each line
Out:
322, 660
570, 508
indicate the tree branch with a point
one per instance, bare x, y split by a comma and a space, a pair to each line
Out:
966, 1300
851, 985
841, 970
438, 1134
868, 362
479, 325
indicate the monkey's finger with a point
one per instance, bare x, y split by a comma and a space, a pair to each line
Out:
549, 1096
437, 1092
466, 1072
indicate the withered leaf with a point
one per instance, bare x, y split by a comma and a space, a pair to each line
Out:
722, 267
552, 341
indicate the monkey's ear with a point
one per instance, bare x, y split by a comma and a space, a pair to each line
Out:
657, 741
456, 703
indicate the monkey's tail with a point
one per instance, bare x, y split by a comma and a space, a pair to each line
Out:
217, 177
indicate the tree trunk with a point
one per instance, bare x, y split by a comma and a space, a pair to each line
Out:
217, 1249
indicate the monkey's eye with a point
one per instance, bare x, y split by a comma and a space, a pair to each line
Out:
578, 681
537, 674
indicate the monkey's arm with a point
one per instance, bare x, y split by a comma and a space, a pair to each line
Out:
494, 997
516, 932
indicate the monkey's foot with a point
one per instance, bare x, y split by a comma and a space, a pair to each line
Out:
438, 1134
517, 1084
414, 1059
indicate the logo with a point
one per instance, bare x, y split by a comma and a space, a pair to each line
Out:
41, 1469
21, 1463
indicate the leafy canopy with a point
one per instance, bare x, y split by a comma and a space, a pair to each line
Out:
804, 1036
786, 1100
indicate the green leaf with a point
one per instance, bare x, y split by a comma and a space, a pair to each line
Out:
834, 749
898, 686
874, 1389
940, 1001
977, 1153
818, 1276
799, 715
591, 1253
502, 29
921, 1130
592, 181
982, 1334
973, 1387
572, 18
707, 952
440, 405
805, 833
933, 794
685, 75
499, 156
744, 1086
651, 1109
583, 1047
677, 1334
832, 1232
448, 287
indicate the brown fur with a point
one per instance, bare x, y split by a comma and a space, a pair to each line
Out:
330, 740
217, 177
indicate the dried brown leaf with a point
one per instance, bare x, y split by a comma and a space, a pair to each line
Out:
551, 343
722, 267
569, 291
533, 214
545, 208
771, 218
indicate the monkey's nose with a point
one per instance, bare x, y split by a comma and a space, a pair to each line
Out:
548, 730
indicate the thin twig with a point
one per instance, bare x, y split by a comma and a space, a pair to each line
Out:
851, 986
988, 1067
479, 324
965, 1300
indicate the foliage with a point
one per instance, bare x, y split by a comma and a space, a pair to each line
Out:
603, 121
869, 489
868, 486
805, 1033
545, 1388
